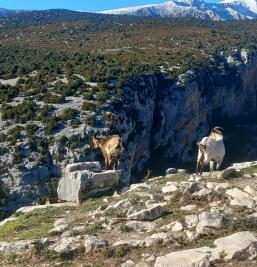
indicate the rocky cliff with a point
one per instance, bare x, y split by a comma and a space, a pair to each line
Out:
167, 117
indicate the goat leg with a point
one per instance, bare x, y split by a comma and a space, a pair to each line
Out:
218, 165
198, 167
212, 165
106, 163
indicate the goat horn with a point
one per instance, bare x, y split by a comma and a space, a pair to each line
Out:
218, 128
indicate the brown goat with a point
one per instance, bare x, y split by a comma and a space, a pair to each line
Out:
112, 149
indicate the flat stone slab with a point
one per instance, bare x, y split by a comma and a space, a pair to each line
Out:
78, 184
198, 257
147, 214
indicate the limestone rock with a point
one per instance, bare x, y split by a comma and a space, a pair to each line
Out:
79, 229
130, 243
138, 187
81, 166
173, 226
176, 226
182, 171
204, 193
7, 220
141, 226
17, 246
238, 246
251, 192
58, 222
244, 165
221, 186
78, 185
68, 233
171, 171
66, 244
125, 204
128, 263
147, 214
189, 208
198, 257
253, 215
58, 229
170, 187
150, 258
190, 235
243, 202
237, 193
209, 221
94, 242
159, 238
29, 209
191, 220
240, 198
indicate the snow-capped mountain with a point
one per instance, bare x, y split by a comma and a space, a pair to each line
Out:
248, 4
226, 10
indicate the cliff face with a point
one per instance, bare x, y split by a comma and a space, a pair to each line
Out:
160, 120
169, 117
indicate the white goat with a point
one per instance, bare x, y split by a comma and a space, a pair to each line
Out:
211, 150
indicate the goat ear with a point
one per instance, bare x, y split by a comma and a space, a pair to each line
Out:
198, 143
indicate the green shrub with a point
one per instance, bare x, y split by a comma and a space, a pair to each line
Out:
31, 129
91, 121
45, 111
88, 96
53, 99
50, 124
89, 106
14, 134
3, 138
103, 96
68, 114
125, 229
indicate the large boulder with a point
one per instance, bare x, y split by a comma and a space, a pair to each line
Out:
83, 180
239, 246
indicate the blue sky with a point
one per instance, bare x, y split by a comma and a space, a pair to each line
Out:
75, 4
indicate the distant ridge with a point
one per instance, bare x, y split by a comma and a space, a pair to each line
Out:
9, 12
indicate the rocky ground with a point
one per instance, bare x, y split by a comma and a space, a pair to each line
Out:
176, 220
